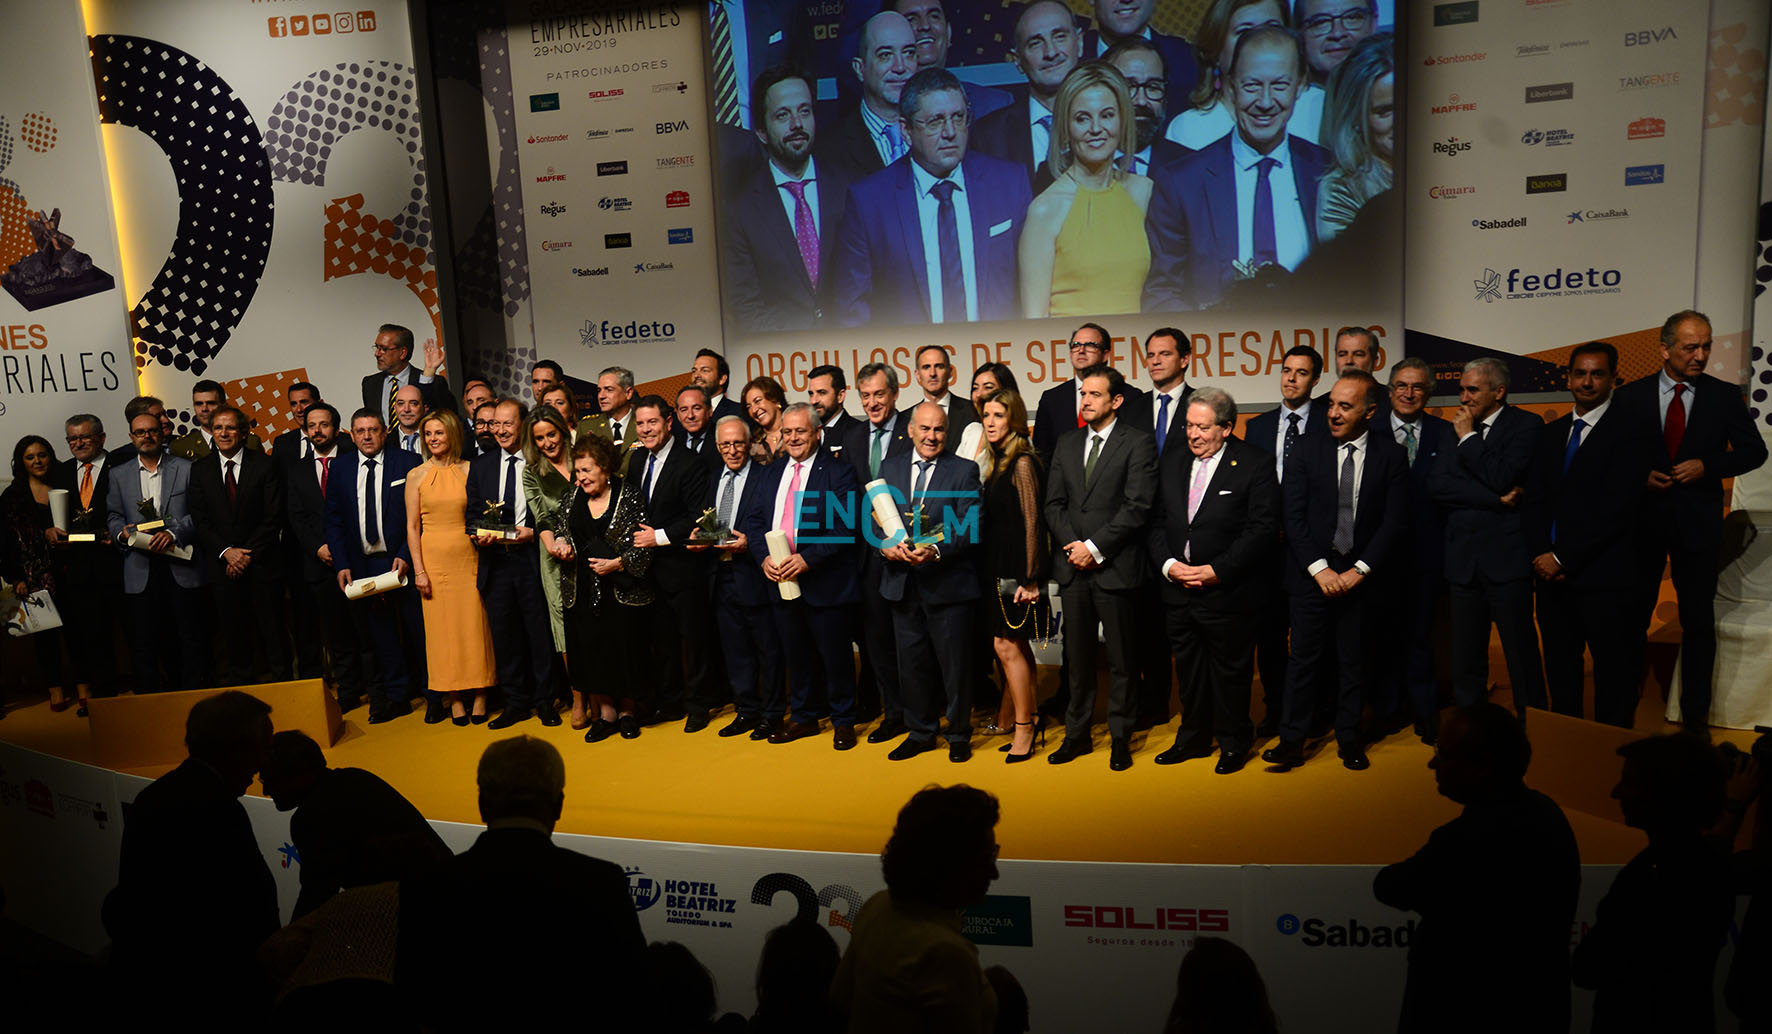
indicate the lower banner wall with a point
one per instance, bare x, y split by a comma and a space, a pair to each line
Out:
1090, 942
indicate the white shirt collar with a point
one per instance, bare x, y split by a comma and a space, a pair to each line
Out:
1592, 416
1244, 157
1089, 432
781, 177
926, 181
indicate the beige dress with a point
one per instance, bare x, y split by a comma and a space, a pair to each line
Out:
458, 639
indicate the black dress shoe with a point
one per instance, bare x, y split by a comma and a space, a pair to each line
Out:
1228, 762
510, 717
1068, 751
599, 731
629, 726
843, 737
1285, 755
910, 748
765, 729
549, 717
742, 724
435, 712
696, 721
1353, 756
1428, 730
1120, 756
887, 730
794, 731
959, 751
397, 709
1176, 755
348, 704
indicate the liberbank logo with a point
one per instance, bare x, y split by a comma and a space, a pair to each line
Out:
1462, 13
1557, 283
1547, 183
1550, 92
544, 102
1638, 175
612, 168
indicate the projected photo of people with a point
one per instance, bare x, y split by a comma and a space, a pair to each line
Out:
952, 162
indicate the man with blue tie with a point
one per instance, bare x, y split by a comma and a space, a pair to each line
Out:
151, 488
933, 586
870, 138
884, 433
1411, 692
409, 412
741, 593
1246, 201
932, 239
1048, 46
1166, 355
1581, 513
1345, 509
510, 576
808, 495
365, 504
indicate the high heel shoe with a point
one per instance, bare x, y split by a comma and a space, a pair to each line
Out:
459, 719
1039, 724
1040, 737
80, 712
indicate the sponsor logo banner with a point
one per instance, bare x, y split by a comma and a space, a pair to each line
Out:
1547, 183
1646, 129
612, 168
618, 240
1461, 13
680, 235
1550, 92
1499, 224
1638, 175
544, 102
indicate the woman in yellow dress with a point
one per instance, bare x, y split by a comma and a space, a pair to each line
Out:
1083, 249
445, 570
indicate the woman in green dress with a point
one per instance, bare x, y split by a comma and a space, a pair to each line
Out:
547, 477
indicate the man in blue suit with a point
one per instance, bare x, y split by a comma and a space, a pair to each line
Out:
1048, 47
366, 536
161, 588
810, 495
741, 594
1411, 691
1245, 201
932, 238
1345, 510
933, 586
510, 577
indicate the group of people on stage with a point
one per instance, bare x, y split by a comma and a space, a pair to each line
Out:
654, 559
1134, 171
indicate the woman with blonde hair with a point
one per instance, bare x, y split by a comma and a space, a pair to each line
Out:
1019, 560
1359, 128
445, 570
1083, 248
547, 477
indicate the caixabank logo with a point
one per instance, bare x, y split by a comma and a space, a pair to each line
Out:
1316, 932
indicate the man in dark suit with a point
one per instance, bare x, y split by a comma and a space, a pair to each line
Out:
291, 449
1498, 881
1146, 71
1411, 691
292, 445
883, 433
510, 577
350, 828
935, 375
826, 389
693, 424
709, 372
88, 571
1098, 492
237, 503
153, 489
393, 360
1058, 412
1331, 30
782, 225
494, 893
1214, 528
886, 273
1345, 508
802, 495
748, 641
1119, 23
1697, 431
171, 916
1048, 46
1257, 174
869, 138
365, 537
136, 407
305, 487
206, 398
675, 484
1581, 512
931, 580
1357, 348
1480, 482
1280, 430
929, 21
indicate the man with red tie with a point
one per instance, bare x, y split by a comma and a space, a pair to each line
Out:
1697, 431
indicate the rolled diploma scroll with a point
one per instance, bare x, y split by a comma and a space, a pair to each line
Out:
58, 508
885, 511
362, 587
142, 539
777, 541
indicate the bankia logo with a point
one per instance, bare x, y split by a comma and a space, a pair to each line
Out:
544, 102
1462, 13
612, 168
1646, 129
1639, 175
1550, 92
1547, 183
677, 199
1454, 104
1456, 59
618, 240
551, 176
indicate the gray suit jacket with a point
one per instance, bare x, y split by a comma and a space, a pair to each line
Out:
123, 509
1110, 511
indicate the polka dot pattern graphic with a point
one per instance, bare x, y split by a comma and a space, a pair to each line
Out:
357, 242
15, 235
1759, 395
6, 154
225, 204
38, 132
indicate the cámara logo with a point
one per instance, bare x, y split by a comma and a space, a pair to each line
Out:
1499, 224
1451, 147
1550, 92
614, 204
1440, 193
1638, 175
1646, 129
1547, 183
677, 199
555, 245
612, 168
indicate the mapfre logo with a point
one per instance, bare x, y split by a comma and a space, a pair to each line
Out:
1646, 129
1132, 917
1454, 104
338, 24
1456, 59
551, 176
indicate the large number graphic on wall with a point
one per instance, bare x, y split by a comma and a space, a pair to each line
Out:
224, 195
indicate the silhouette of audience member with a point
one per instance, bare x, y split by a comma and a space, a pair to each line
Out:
334, 967
350, 828
1499, 882
797, 955
194, 897
909, 966
681, 993
1218, 990
1746, 991
1012, 1001
1651, 955
516, 902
